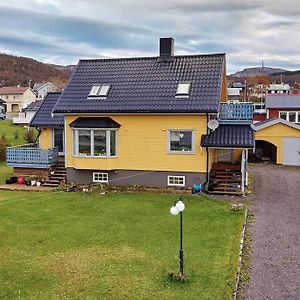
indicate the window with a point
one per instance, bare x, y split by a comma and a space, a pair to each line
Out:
99, 90
292, 117
176, 180
283, 115
95, 142
183, 89
100, 177
181, 141
84, 144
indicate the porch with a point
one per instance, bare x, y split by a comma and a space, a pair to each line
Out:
31, 157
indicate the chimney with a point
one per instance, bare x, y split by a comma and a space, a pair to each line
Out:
166, 49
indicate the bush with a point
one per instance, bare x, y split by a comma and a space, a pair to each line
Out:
3, 145
30, 136
16, 135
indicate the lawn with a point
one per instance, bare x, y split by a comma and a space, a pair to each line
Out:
13, 134
5, 172
57, 245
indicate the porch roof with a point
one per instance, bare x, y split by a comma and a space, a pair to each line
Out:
94, 122
230, 136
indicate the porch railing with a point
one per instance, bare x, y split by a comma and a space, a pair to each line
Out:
30, 156
239, 112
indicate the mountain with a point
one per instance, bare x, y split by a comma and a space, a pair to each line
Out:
20, 70
252, 72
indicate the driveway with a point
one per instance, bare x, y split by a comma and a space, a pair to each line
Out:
275, 248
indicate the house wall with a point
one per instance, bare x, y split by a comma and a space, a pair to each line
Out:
45, 139
142, 145
236, 155
224, 87
275, 134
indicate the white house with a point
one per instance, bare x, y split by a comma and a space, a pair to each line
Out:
42, 89
27, 113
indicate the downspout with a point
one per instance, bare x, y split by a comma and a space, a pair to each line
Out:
207, 156
39, 133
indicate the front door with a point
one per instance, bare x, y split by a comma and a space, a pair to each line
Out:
58, 140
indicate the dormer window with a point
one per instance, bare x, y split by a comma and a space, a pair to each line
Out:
99, 90
183, 89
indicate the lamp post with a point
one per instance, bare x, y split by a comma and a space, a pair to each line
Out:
176, 209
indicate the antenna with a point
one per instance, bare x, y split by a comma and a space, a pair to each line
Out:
213, 124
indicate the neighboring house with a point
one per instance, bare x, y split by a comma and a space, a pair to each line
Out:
278, 140
233, 95
42, 89
16, 99
2, 110
27, 113
280, 88
145, 121
286, 107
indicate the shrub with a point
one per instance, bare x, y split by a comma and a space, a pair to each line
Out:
3, 145
30, 136
16, 135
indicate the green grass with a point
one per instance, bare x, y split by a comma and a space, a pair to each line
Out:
13, 134
116, 246
5, 172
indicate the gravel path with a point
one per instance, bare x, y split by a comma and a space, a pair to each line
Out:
275, 248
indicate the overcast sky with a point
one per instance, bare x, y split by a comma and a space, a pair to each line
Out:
62, 32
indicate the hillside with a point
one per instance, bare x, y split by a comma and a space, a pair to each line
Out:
21, 70
255, 71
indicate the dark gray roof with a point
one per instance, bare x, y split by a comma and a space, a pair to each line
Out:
230, 136
94, 122
143, 85
33, 106
282, 101
43, 117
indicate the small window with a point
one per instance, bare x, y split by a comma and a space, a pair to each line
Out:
183, 89
181, 141
99, 90
94, 90
104, 90
283, 115
100, 177
176, 180
292, 117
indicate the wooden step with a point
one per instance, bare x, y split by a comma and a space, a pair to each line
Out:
226, 193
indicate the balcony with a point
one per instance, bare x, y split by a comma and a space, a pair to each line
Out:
241, 113
30, 156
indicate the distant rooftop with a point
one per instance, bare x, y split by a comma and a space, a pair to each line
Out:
13, 90
283, 101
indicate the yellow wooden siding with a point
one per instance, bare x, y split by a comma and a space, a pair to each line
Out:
142, 145
274, 135
224, 87
236, 155
45, 138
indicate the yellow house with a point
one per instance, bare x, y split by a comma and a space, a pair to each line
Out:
279, 141
152, 121
16, 98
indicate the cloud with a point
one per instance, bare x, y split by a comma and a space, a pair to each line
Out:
64, 31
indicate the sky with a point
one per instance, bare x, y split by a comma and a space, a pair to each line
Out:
62, 32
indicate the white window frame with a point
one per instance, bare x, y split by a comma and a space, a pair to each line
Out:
99, 90
297, 119
103, 175
180, 177
108, 135
176, 151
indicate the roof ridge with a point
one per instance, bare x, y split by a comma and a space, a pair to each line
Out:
150, 57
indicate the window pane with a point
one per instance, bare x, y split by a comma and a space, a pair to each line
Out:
283, 115
104, 90
100, 143
84, 142
94, 90
292, 117
181, 141
112, 143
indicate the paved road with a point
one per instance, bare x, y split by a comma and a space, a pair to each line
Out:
275, 250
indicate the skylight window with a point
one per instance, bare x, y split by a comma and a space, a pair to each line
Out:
99, 90
183, 89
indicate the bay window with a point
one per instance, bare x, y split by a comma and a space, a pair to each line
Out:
94, 142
